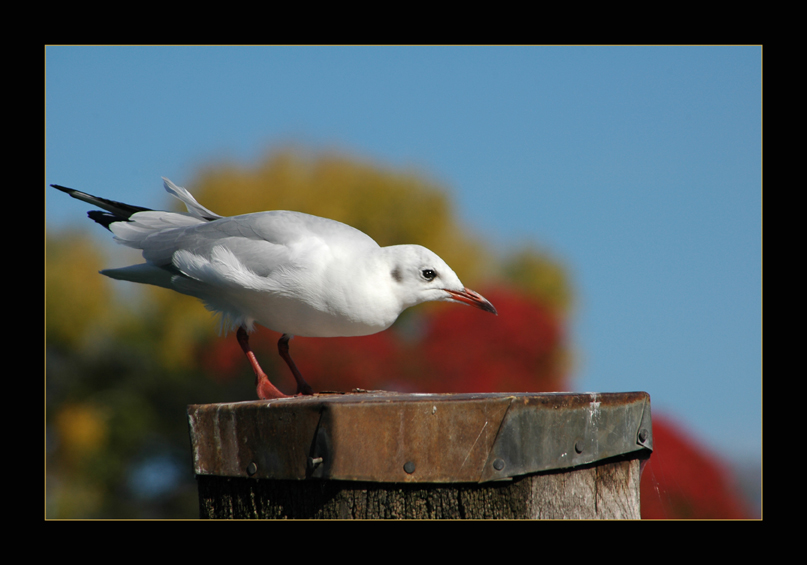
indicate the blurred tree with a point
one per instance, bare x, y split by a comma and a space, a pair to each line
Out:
113, 402
119, 376
537, 274
522, 350
78, 302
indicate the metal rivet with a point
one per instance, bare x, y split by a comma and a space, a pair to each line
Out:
409, 467
314, 461
578, 446
252, 468
498, 464
643, 434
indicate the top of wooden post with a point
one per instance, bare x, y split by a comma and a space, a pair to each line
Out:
435, 438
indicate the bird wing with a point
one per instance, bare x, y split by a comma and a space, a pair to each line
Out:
262, 243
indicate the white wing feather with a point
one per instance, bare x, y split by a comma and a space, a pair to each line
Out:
194, 208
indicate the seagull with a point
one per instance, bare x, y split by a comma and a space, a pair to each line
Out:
294, 273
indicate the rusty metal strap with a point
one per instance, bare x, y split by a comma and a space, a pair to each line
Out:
430, 438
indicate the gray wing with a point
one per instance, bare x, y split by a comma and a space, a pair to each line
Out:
230, 249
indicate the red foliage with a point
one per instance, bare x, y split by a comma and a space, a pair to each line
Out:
682, 480
345, 363
460, 349
222, 359
520, 350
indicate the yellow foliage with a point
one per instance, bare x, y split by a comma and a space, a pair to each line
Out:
182, 323
77, 297
81, 429
541, 276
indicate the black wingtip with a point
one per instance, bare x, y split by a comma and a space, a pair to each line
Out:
104, 218
115, 211
63, 188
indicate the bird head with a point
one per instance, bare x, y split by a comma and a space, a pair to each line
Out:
420, 275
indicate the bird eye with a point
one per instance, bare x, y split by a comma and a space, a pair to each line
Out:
428, 274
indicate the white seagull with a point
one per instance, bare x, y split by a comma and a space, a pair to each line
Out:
291, 272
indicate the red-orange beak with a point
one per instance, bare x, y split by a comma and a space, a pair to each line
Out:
468, 296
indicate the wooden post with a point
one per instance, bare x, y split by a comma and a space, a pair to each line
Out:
380, 455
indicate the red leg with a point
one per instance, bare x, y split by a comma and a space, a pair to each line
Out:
283, 348
263, 386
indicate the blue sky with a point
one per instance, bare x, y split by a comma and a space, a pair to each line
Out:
639, 167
